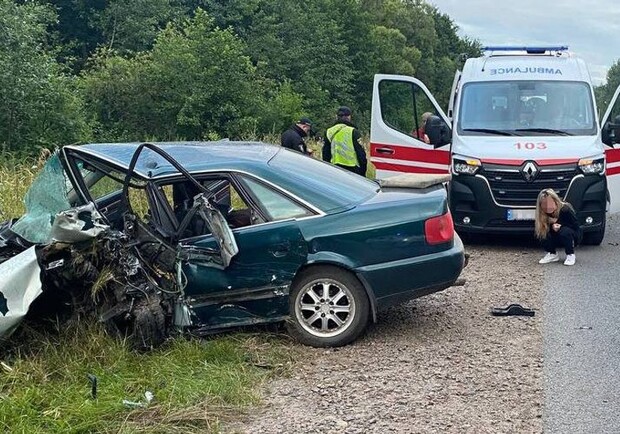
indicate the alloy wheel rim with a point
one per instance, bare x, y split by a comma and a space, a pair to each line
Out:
325, 308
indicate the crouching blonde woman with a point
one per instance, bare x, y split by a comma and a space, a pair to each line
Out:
556, 226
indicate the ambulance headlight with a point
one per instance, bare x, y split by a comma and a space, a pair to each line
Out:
465, 166
592, 166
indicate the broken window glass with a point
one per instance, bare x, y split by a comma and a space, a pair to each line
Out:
46, 197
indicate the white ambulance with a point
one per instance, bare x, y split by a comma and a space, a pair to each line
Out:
520, 119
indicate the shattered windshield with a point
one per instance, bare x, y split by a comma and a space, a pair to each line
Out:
526, 108
47, 196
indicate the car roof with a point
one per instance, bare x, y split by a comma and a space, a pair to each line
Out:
193, 156
326, 187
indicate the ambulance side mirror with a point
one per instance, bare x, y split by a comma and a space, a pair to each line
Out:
606, 134
610, 133
437, 131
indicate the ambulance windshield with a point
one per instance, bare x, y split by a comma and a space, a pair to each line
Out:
527, 108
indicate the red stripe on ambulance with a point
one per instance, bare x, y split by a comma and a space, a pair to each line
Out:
407, 153
612, 155
393, 167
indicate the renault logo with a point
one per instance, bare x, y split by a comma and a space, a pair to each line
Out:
529, 171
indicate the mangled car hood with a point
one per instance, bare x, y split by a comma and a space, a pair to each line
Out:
131, 279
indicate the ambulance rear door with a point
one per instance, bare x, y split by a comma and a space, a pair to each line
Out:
610, 127
397, 141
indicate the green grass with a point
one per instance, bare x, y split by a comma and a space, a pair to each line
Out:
44, 386
16, 175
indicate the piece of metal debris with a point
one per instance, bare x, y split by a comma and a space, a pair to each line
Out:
148, 397
133, 404
78, 224
512, 309
93, 385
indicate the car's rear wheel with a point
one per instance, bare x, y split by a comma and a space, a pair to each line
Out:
328, 307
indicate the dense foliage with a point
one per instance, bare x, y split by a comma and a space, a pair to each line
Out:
605, 93
78, 70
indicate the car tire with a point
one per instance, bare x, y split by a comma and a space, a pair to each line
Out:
595, 238
328, 307
141, 322
149, 324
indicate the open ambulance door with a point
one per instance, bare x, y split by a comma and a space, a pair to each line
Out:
610, 131
398, 140
453, 92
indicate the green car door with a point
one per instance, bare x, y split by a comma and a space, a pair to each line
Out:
254, 287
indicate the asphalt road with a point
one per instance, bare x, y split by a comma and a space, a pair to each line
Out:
581, 335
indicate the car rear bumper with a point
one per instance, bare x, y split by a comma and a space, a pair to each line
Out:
398, 281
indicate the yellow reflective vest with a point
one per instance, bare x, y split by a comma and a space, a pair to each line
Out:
341, 138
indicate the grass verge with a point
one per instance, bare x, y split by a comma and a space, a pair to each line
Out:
16, 175
44, 384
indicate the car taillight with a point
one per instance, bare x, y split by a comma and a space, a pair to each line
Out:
440, 229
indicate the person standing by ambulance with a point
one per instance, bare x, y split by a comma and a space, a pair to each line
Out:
343, 146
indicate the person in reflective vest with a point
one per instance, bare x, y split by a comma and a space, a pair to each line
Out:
343, 146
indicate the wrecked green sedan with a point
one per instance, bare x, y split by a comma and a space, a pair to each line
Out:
202, 237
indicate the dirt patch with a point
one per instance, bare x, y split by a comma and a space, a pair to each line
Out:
437, 364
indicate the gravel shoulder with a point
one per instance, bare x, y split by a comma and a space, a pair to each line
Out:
441, 363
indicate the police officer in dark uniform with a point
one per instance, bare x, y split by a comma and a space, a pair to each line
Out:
343, 146
293, 138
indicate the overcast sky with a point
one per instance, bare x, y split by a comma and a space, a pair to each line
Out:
591, 29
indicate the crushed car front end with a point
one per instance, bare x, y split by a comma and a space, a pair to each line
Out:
121, 265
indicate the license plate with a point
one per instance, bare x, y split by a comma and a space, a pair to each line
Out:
520, 214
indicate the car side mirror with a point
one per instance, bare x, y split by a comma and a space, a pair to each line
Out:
437, 131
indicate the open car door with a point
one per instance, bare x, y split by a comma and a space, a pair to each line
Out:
400, 142
610, 131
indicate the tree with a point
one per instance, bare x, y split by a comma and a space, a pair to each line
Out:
299, 43
173, 69
605, 92
195, 83
132, 25
39, 105
74, 33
